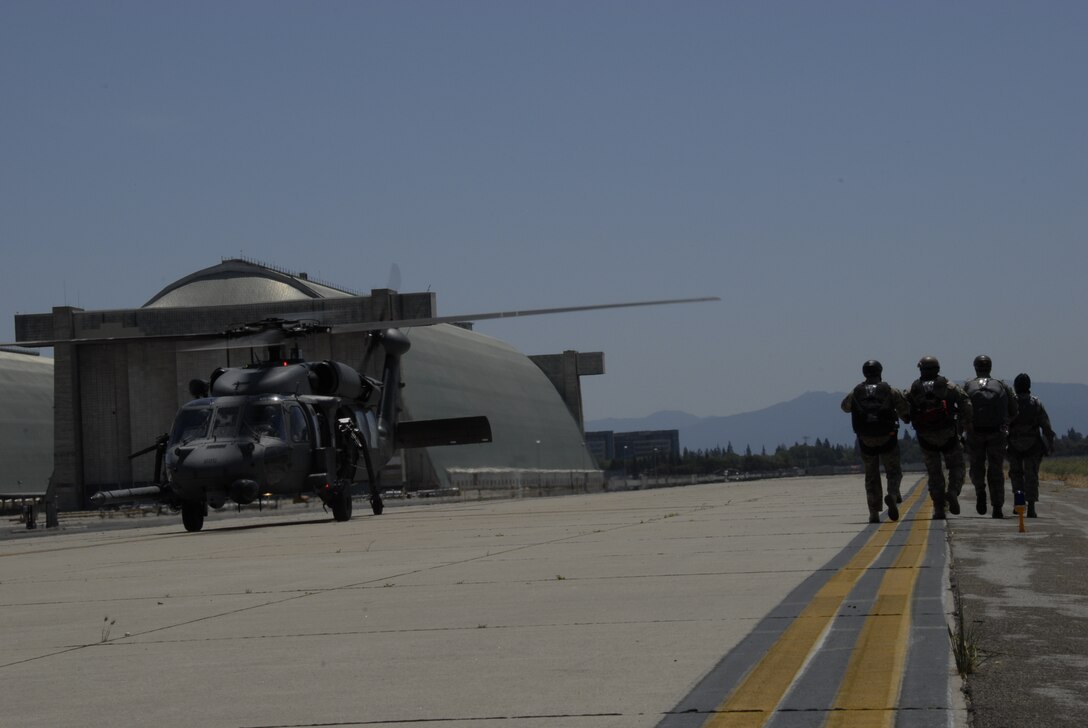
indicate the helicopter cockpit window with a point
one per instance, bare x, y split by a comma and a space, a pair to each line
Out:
265, 420
226, 422
191, 424
300, 428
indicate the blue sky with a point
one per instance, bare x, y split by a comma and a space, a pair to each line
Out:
854, 179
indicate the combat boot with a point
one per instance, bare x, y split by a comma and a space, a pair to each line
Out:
980, 503
893, 508
874, 517
938, 515
997, 512
953, 504
1031, 510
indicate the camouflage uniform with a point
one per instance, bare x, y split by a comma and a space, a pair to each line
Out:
986, 442
941, 439
1026, 446
880, 448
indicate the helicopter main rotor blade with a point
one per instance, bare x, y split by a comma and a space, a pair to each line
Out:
274, 336
410, 323
245, 341
42, 343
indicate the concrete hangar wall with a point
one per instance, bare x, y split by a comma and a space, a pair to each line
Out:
26, 423
113, 397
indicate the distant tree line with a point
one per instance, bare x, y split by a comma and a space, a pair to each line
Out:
820, 454
718, 460
1071, 443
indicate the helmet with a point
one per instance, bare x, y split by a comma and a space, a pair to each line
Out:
983, 365
1022, 383
871, 368
929, 366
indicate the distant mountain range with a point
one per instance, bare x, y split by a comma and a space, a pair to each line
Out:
815, 415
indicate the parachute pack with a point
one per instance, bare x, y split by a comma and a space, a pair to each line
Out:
1024, 429
873, 412
930, 408
989, 402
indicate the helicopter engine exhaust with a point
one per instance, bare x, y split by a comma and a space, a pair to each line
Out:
334, 379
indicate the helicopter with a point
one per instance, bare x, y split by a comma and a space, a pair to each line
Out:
283, 426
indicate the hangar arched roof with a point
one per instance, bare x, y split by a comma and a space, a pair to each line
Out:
452, 372
26, 422
238, 282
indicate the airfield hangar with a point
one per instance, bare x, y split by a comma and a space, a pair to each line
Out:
26, 426
113, 397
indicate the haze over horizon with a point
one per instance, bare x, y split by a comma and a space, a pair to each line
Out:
855, 180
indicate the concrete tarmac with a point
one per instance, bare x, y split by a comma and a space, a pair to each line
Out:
1025, 605
644, 608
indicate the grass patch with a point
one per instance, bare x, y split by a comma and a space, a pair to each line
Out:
1072, 470
965, 649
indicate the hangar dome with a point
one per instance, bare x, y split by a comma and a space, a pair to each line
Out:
26, 422
452, 372
238, 281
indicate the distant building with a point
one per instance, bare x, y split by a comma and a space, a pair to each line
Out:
601, 446
115, 392
664, 445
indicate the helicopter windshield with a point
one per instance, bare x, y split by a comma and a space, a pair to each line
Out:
264, 420
191, 424
226, 422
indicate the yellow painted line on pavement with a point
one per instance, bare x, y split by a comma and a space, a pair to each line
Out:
870, 688
754, 701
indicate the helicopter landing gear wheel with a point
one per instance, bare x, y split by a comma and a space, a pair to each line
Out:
192, 515
341, 504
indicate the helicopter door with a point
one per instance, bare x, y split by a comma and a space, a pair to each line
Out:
324, 451
300, 438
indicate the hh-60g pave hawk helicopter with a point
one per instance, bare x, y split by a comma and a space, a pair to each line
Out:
283, 426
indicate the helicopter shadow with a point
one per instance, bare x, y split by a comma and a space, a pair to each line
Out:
257, 526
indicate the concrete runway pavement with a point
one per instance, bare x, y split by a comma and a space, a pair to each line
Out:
1025, 599
644, 608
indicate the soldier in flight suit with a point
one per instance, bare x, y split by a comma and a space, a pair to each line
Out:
1026, 446
938, 408
993, 405
875, 409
